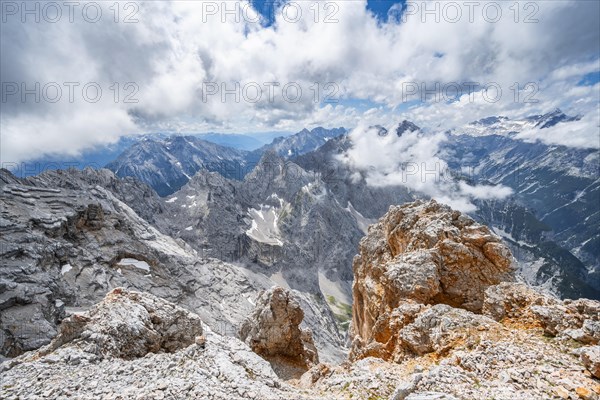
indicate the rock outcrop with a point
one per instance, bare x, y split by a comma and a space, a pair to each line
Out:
420, 254
136, 345
273, 330
128, 324
516, 303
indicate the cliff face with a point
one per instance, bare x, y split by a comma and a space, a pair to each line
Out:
420, 254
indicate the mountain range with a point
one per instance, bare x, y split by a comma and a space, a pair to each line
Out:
209, 226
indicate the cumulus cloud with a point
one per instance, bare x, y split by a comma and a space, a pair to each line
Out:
412, 160
172, 49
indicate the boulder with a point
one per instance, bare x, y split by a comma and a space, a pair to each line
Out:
128, 324
273, 329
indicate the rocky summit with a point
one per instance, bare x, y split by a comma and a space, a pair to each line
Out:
438, 313
423, 253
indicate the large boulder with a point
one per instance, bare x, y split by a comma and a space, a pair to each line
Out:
128, 324
273, 329
424, 253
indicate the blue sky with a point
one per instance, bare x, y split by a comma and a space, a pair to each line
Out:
378, 7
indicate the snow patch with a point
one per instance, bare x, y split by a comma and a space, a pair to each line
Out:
65, 268
506, 235
171, 200
264, 227
132, 262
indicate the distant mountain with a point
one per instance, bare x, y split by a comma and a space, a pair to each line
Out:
406, 126
552, 118
504, 126
168, 164
555, 204
301, 142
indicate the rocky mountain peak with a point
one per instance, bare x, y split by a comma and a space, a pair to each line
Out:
553, 117
406, 126
418, 254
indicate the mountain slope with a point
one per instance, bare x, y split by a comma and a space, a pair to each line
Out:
168, 164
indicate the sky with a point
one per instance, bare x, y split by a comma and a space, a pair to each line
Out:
75, 78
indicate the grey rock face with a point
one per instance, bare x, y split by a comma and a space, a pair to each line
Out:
348, 185
273, 329
74, 236
65, 243
280, 221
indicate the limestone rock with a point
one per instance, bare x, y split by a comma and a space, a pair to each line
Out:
591, 360
427, 253
273, 329
513, 300
518, 303
225, 369
129, 325
430, 396
439, 327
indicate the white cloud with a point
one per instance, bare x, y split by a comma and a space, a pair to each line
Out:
176, 46
412, 160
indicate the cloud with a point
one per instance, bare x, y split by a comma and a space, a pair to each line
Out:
412, 160
174, 48
584, 133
